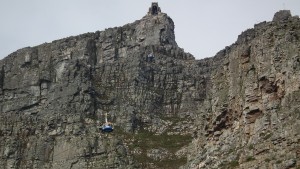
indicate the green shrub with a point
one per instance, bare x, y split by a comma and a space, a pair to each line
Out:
250, 158
269, 135
233, 164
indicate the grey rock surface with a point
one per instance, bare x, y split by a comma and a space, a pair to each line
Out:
239, 109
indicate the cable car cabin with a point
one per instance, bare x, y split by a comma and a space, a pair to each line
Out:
107, 128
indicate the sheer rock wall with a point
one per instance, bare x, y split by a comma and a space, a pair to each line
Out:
237, 109
251, 114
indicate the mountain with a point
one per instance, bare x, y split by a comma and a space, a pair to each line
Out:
238, 109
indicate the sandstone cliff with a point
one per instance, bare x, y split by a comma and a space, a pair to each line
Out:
250, 114
238, 109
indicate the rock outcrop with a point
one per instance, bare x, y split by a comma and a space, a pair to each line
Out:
251, 111
238, 109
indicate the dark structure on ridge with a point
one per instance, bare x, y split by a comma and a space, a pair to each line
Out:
154, 9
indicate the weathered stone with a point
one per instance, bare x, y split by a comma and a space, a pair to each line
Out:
237, 109
282, 15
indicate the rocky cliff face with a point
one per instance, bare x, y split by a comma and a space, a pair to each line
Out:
251, 110
238, 109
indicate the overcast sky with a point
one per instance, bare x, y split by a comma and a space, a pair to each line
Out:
202, 28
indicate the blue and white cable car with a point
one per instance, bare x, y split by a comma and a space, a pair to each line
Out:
107, 126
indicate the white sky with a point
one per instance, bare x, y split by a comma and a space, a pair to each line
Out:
202, 28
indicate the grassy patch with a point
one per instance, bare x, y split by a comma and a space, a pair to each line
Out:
146, 140
229, 165
171, 163
267, 160
250, 158
269, 135
233, 164
231, 151
265, 136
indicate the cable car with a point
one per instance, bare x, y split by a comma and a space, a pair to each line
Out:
107, 126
